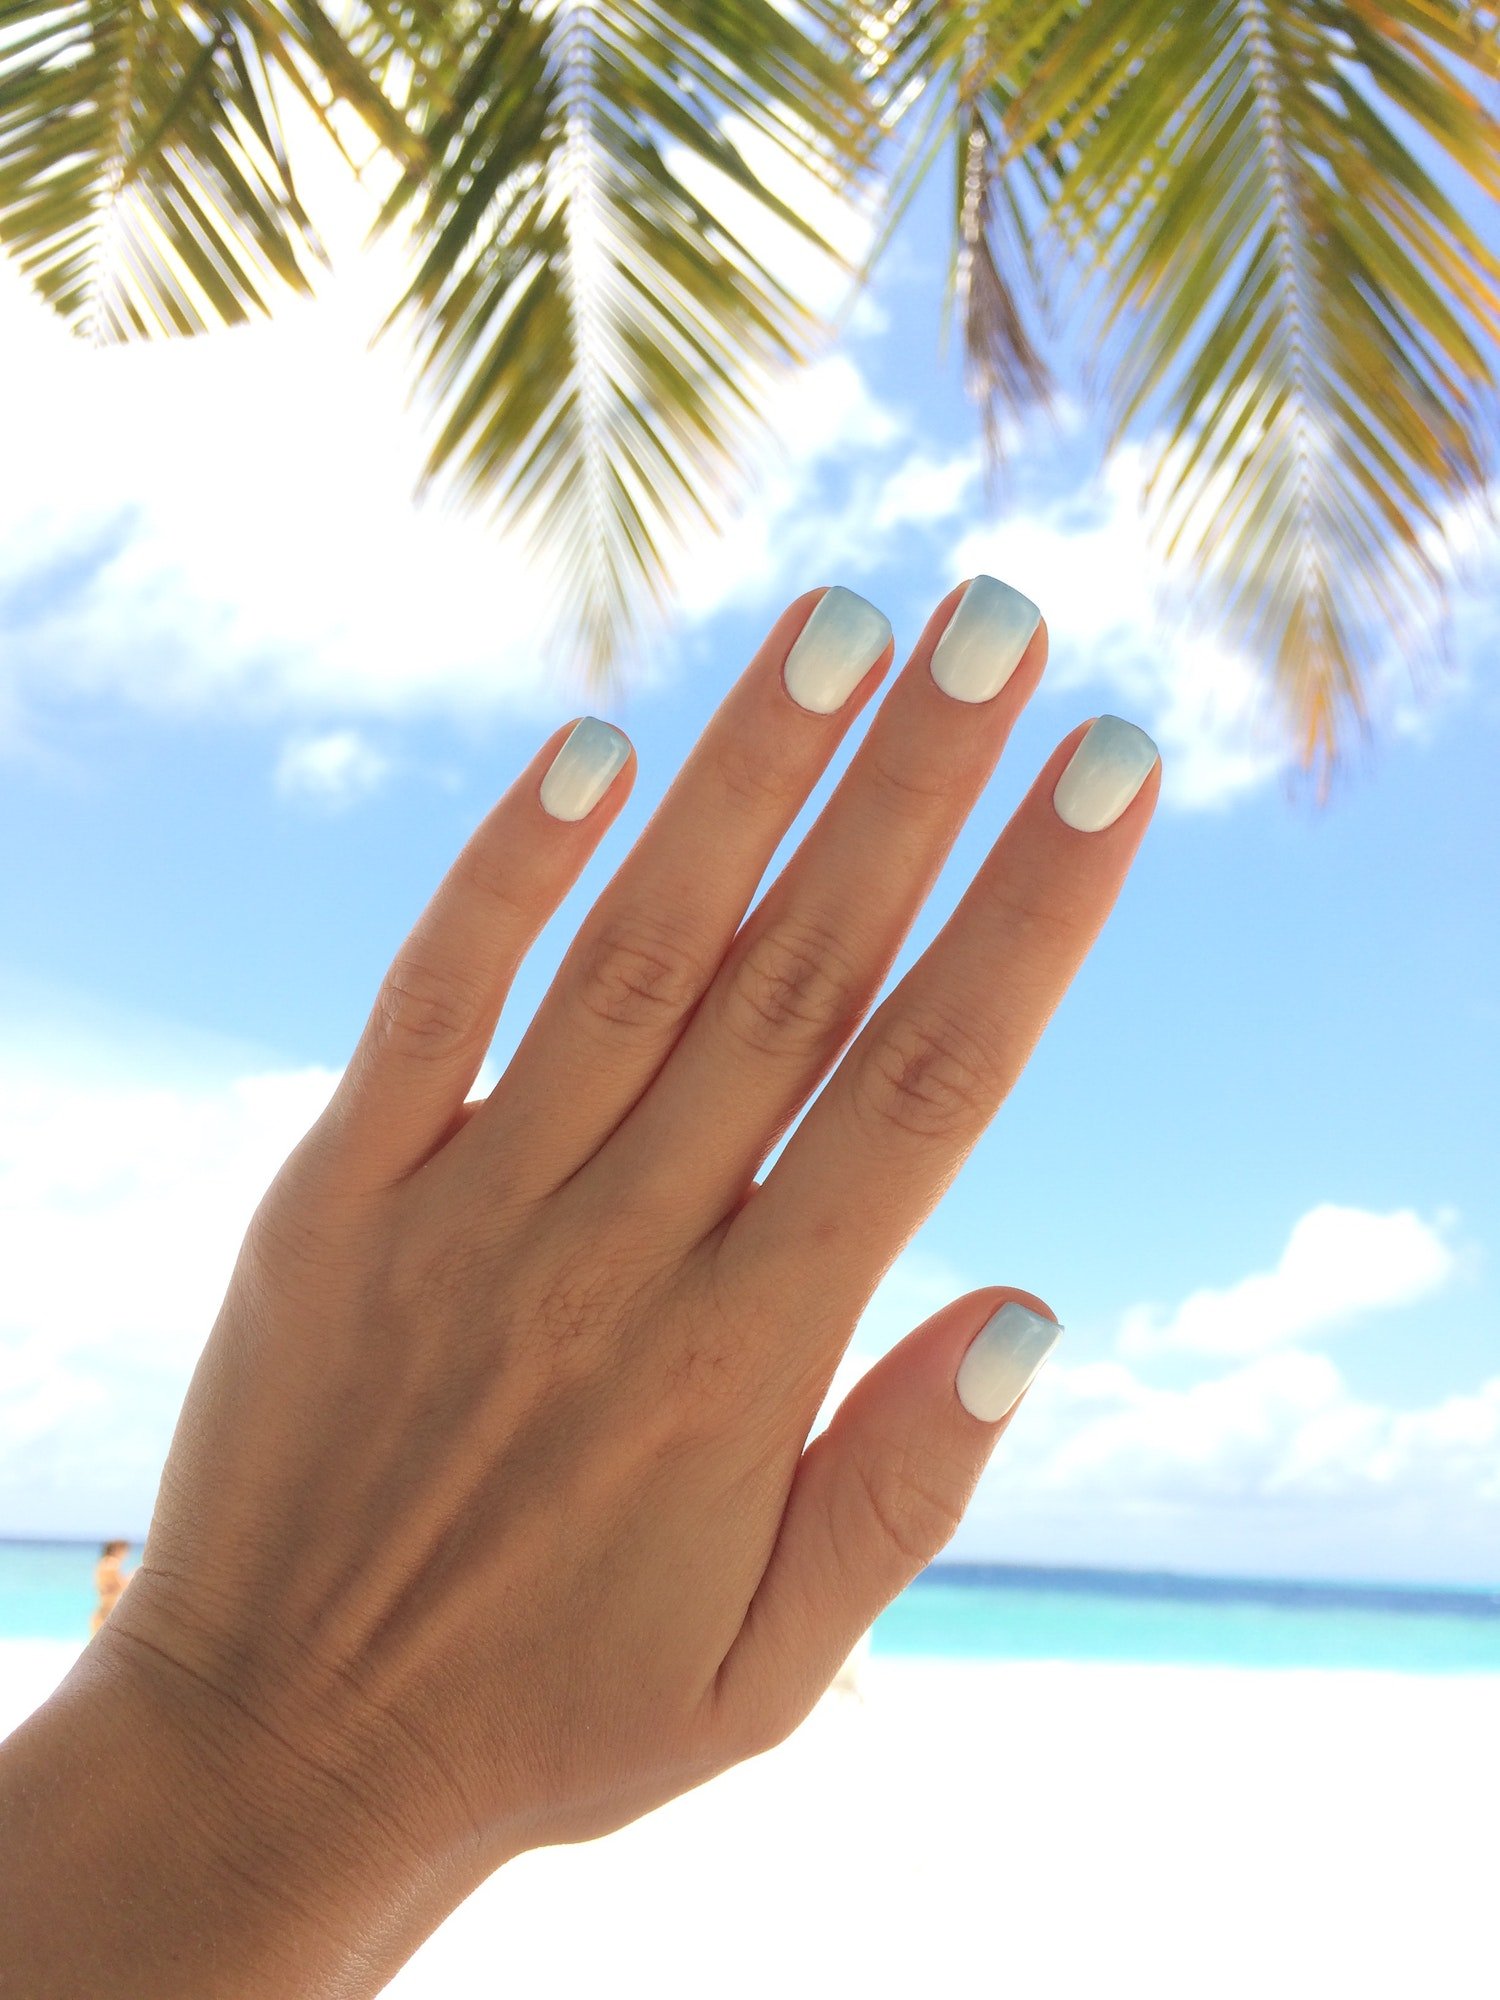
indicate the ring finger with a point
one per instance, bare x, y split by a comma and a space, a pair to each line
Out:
912, 1097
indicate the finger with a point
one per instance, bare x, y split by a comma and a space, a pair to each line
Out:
404, 1089
657, 935
875, 1497
805, 967
929, 1069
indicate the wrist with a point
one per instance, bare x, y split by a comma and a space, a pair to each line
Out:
156, 1840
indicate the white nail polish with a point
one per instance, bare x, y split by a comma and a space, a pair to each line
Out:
592, 756
836, 648
1002, 1359
1103, 774
983, 641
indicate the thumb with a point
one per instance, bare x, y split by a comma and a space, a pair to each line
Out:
874, 1499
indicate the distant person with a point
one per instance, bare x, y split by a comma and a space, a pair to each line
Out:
109, 1580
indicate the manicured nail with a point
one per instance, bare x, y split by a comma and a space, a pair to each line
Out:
1103, 774
592, 755
1002, 1359
983, 641
834, 651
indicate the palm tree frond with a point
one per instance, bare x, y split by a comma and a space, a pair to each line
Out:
944, 73
144, 187
1291, 299
594, 333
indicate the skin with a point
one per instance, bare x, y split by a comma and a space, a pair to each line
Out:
490, 1520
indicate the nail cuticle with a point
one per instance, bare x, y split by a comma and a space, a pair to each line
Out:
984, 641
1002, 1360
1113, 760
843, 638
591, 757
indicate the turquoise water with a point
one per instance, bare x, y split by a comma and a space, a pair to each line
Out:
960, 1611
963, 1612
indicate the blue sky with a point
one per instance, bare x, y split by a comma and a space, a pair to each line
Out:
251, 701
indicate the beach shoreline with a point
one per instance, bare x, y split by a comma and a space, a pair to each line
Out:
1045, 1828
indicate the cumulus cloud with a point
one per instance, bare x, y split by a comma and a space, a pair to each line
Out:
1271, 1462
1282, 1425
122, 1206
333, 769
1089, 561
926, 490
227, 525
1123, 621
1338, 1263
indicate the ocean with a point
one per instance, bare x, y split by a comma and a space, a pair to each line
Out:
993, 1612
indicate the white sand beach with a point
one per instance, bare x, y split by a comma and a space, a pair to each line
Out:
1042, 1830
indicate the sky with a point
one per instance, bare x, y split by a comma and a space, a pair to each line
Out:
252, 699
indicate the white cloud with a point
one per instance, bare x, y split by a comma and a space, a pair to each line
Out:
824, 416
1338, 1263
333, 769
122, 1206
1272, 1465
1121, 619
227, 524
924, 490
1283, 1426
1089, 561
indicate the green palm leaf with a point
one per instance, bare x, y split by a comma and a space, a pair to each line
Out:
944, 68
594, 336
144, 187
1292, 294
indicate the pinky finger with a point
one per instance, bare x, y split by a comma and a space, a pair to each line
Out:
876, 1496
438, 1005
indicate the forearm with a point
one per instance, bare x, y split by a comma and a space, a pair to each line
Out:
151, 1852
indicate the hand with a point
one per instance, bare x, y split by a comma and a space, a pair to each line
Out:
490, 1519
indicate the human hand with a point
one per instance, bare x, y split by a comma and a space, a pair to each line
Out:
490, 1520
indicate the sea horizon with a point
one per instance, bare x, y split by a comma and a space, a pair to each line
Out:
1405, 1593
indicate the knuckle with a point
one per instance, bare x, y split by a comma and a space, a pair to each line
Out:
1038, 927
639, 975
706, 1360
701, 1380
926, 1075
424, 1012
486, 876
575, 1318
440, 1285
768, 1725
899, 790
914, 1509
793, 987
753, 777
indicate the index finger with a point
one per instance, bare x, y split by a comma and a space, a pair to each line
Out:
931, 1066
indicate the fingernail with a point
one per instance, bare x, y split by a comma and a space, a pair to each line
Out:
1103, 774
1002, 1359
983, 641
593, 754
834, 651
